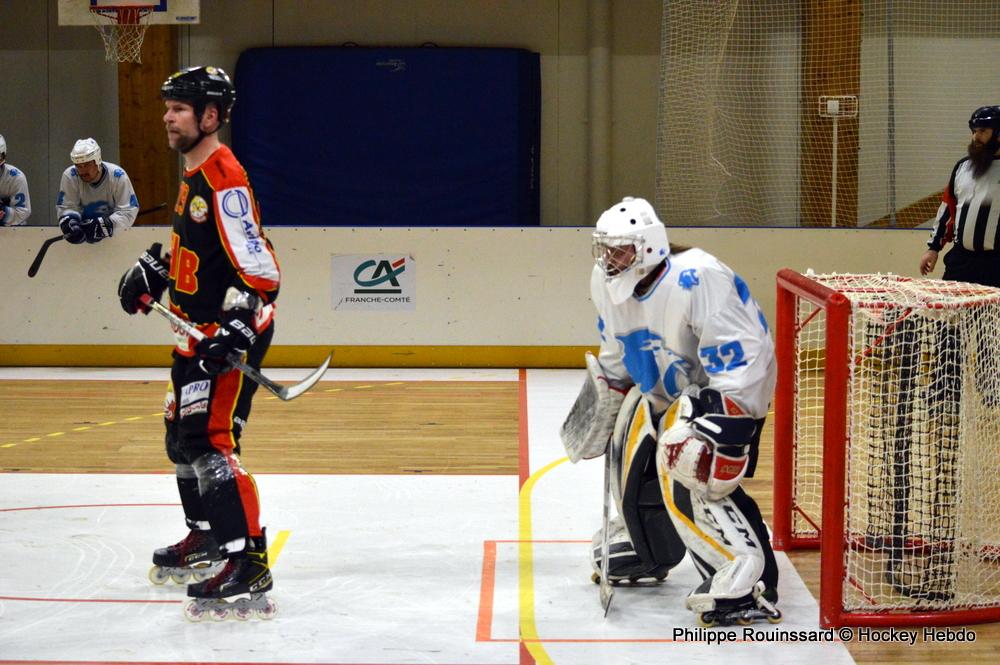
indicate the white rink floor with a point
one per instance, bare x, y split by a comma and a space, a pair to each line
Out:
371, 569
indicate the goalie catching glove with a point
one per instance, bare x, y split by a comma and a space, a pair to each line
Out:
705, 442
149, 276
235, 334
590, 422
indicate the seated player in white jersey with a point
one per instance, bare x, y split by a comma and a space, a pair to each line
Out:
96, 198
15, 203
679, 390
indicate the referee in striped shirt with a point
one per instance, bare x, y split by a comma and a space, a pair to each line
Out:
967, 216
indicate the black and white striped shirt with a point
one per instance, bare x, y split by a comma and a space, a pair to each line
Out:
967, 215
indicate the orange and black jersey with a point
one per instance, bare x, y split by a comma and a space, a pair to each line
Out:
217, 240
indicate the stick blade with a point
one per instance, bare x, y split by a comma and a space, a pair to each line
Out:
291, 392
607, 593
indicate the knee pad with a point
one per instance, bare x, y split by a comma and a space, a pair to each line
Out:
655, 545
220, 495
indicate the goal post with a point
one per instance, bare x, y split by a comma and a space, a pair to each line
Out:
887, 434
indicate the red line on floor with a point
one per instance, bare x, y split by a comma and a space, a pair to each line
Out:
91, 505
484, 627
89, 600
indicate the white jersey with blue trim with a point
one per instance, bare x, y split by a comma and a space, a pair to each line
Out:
14, 196
112, 196
697, 324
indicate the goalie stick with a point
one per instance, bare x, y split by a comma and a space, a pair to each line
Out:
37, 263
606, 592
235, 360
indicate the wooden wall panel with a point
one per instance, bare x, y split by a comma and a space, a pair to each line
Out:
149, 161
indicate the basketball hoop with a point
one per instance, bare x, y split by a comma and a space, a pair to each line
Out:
122, 29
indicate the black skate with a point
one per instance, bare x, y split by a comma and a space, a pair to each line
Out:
246, 574
756, 607
197, 557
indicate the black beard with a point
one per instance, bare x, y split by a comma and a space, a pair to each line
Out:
981, 156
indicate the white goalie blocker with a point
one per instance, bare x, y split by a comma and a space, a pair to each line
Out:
591, 421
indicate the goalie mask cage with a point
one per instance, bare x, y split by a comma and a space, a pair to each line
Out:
887, 435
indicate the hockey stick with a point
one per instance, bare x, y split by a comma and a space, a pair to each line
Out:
606, 592
235, 360
37, 263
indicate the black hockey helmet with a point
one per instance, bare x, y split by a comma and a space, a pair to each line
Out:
200, 85
986, 116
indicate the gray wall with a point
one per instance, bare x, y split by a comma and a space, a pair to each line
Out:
57, 88
65, 90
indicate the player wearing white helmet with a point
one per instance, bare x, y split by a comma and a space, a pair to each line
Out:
96, 198
15, 204
681, 335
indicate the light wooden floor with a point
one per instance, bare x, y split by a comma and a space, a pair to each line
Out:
394, 427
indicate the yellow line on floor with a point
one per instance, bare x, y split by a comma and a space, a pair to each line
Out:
526, 573
275, 549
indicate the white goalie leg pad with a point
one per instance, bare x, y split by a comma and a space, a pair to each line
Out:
591, 420
734, 581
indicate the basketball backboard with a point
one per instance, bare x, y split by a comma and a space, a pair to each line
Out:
165, 12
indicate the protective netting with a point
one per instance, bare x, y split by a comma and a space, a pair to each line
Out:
122, 30
921, 496
742, 136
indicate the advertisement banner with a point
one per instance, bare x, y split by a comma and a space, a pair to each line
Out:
374, 282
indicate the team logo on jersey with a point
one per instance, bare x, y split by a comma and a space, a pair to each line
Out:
198, 209
640, 349
688, 279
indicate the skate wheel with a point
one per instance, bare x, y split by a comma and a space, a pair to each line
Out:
203, 573
219, 613
180, 576
744, 621
192, 612
777, 618
595, 578
158, 576
242, 613
267, 612
706, 620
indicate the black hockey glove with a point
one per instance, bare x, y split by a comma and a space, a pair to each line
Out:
149, 275
97, 228
72, 228
235, 333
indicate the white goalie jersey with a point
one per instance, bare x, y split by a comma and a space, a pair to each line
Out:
697, 324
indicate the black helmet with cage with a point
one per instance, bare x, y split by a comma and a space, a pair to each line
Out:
199, 86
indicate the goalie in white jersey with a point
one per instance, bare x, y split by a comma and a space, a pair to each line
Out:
96, 198
681, 388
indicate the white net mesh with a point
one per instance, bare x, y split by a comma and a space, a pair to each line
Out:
740, 137
122, 30
923, 400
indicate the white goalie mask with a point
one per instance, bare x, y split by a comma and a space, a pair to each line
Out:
86, 150
629, 242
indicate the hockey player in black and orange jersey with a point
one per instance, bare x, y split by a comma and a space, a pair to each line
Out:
223, 276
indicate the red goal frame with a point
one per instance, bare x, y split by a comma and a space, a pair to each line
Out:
791, 288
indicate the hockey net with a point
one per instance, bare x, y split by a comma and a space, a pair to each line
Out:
887, 432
